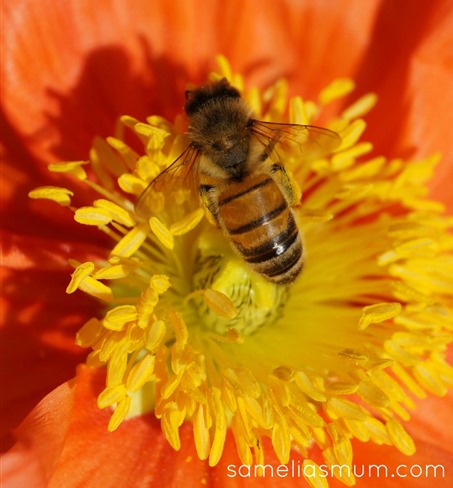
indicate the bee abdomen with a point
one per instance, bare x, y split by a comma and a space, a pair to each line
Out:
261, 226
259, 221
279, 258
287, 267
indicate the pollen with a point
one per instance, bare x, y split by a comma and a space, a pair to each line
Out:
188, 331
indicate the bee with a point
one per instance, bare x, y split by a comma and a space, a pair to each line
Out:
233, 163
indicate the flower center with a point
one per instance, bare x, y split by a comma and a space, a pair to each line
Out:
258, 302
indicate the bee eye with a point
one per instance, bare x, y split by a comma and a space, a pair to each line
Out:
216, 146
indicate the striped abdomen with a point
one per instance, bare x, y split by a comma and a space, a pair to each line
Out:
261, 225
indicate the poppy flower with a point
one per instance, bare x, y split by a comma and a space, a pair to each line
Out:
187, 332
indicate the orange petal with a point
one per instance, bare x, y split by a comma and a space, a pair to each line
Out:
42, 432
429, 421
22, 215
398, 466
67, 436
75, 77
408, 63
32, 252
72, 69
39, 323
21, 465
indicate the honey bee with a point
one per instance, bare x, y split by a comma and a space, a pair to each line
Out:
233, 163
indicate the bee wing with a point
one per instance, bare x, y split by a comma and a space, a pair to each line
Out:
176, 185
308, 140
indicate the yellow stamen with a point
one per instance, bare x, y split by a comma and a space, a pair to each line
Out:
114, 272
131, 184
111, 395
313, 474
88, 334
118, 317
220, 428
162, 232
361, 107
119, 414
92, 216
54, 193
297, 113
131, 242
155, 335
140, 373
373, 314
80, 273
98, 290
351, 134
400, 437
337, 89
220, 303
347, 158
73, 168
187, 223
117, 213
129, 156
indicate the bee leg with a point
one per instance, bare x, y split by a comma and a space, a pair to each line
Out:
280, 176
207, 195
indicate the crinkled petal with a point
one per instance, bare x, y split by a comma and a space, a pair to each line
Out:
65, 438
134, 48
408, 120
398, 466
38, 353
429, 421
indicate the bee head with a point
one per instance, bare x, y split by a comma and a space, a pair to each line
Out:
198, 98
